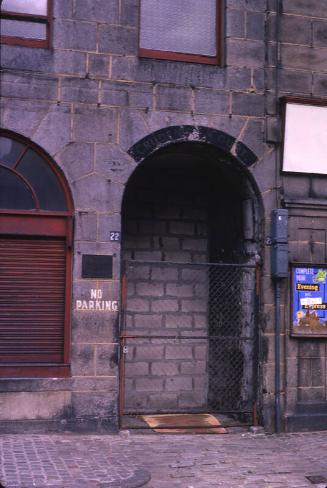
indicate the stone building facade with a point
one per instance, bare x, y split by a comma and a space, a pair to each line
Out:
168, 161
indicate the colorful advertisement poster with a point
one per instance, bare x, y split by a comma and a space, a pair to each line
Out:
309, 311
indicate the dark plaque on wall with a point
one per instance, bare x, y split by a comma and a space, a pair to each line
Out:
95, 266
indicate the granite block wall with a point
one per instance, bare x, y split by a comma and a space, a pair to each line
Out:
89, 99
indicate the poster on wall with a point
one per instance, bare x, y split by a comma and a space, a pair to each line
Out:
309, 297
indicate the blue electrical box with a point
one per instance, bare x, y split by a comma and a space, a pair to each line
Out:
279, 260
279, 225
279, 237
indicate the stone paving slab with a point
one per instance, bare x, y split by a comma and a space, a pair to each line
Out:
174, 461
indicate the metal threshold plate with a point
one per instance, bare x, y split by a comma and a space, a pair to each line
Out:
199, 423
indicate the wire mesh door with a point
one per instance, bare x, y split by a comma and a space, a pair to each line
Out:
188, 339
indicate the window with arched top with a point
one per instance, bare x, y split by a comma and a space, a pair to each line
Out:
35, 261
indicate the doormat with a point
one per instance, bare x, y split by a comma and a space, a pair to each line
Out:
188, 423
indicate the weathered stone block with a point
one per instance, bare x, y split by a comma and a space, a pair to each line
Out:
308, 9
86, 226
35, 405
207, 101
25, 123
94, 404
97, 10
98, 65
89, 327
116, 39
170, 98
79, 90
114, 163
106, 359
255, 26
83, 383
295, 81
74, 35
60, 118
96, 193
76, 159
295, 29
320, 33
245, 53
126, 94
94, 124
29, 86
304, 57
235, 23
129, 14
248, 104
320, 84
306, 394
63, 9
83, 363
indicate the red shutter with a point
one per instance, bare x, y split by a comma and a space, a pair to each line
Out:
32, 300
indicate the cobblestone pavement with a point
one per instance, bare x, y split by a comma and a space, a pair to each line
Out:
174, 461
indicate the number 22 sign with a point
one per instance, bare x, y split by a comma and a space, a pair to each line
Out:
114, 236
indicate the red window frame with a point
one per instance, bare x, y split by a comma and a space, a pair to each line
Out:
43, 224
25, 41
191, 58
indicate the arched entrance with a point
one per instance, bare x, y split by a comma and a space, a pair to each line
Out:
35, 261
191, 240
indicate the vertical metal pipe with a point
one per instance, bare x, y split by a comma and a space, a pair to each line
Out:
277, 356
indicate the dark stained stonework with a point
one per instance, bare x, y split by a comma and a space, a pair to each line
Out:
186, 133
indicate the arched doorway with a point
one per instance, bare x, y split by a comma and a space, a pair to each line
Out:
35, 261
191, 240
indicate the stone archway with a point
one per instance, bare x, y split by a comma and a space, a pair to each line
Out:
191, 208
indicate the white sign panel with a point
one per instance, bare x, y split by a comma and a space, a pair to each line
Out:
305, 139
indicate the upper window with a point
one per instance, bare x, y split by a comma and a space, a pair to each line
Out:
182, 30
26, 22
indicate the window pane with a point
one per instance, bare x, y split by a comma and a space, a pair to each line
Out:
19, 28
183, 26
9, 151
37, 7
44, 182
14, 194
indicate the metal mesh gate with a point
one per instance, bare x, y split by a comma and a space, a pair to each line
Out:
188, 338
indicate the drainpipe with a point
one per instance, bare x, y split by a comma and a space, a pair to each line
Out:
279, 271
277, 357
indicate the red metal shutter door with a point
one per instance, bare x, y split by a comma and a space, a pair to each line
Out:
32, 300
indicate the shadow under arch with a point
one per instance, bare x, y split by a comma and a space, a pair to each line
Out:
192, 188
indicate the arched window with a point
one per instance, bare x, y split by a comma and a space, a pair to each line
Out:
35, 261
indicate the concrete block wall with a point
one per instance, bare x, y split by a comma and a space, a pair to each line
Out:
166, 221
